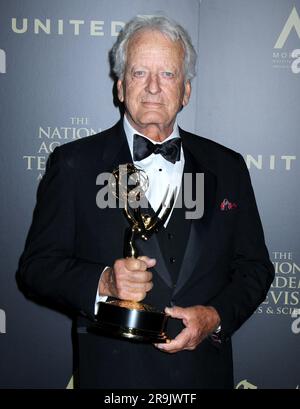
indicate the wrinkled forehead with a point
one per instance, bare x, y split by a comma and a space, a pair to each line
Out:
150, 39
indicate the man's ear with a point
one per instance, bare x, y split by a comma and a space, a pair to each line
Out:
187, 93
120, 90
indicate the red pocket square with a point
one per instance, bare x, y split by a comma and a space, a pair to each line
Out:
227, 205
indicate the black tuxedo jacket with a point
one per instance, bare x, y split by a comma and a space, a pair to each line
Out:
225, 261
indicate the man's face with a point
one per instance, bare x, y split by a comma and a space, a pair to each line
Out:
153, 88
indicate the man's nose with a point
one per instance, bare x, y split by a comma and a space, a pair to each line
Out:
153, 84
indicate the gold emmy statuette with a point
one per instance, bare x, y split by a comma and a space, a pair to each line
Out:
125, 318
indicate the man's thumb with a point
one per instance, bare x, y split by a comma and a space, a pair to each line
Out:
149, 261
175, 312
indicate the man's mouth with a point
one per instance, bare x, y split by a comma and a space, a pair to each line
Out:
152, 103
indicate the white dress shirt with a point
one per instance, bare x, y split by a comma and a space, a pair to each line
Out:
161, 173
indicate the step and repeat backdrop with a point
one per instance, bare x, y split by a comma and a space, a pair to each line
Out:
55, 88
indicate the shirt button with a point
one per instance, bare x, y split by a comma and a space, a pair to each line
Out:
172, 260
170, 236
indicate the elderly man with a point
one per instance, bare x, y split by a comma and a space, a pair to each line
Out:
211, 272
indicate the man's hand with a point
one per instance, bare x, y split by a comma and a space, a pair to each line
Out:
128, 279
199, 322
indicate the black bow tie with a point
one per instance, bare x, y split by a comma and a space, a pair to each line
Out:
142, 148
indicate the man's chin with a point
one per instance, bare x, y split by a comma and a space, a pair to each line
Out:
153, 119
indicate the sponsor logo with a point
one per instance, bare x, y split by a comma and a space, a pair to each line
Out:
2, 61
296, 322
244, 384
287, 58
284, 295
71, 383
60, 27
292, 22
49, 137
296, 63
2, 322
270, 162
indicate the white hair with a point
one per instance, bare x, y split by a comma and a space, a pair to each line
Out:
166, 26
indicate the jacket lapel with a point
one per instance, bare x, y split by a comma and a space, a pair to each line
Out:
116, 150
199, 227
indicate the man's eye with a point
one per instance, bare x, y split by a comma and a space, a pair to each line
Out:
139, 73
168, 74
